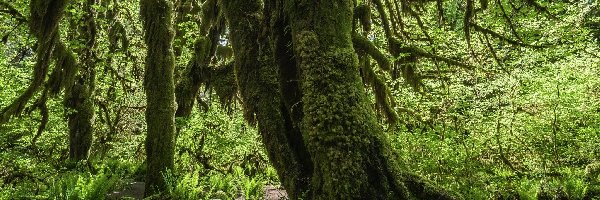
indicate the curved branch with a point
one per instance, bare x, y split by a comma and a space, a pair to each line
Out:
540, 8
501, 37
509, 21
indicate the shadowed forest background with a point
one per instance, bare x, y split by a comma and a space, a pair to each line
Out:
300, 99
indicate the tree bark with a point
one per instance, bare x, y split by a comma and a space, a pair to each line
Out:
160, 92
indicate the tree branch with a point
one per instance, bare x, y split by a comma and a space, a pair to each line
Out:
501, 37
367, 46
11, 10
422, 53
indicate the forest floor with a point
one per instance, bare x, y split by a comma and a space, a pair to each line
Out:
136, 190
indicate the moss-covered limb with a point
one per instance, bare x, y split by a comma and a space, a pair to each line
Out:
362, 12
422, 53
351, 155
367, 46
469, 14
440, 12
210, 13
540, 8
509, 22
41, 104
43, 24
258, 79
79, 97
243, 19
384, 20
196, 71
222, 81
160, 92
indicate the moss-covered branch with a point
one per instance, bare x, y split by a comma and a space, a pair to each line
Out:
367, 46
422, 53
197, 70
383, 95
503, 38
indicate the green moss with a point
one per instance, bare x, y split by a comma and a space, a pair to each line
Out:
223, 82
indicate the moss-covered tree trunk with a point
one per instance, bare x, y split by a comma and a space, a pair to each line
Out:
160, 91
350, 152
257, 77
79, 97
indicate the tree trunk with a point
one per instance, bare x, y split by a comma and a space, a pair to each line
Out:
79, 97
160, 92
258, 81
350, 152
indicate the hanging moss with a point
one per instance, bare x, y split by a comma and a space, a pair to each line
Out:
65, 69
222, 80
383, 96
362, 12
197, 71
43, 24
160, 92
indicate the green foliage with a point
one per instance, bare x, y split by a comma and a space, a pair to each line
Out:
81, 186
